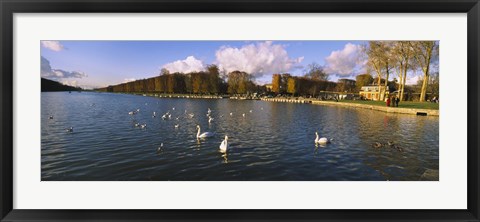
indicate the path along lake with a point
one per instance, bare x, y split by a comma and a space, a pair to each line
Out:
273, 142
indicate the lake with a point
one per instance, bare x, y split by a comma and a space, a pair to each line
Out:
273, 142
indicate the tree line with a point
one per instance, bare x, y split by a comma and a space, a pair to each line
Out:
204, 82
386, 58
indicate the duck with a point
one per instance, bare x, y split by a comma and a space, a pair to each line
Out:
160, 148
192, 115
205, 134
231, 114
377, 145
143, 126
69, 130
243, 115
322, 140
154, 114
50, 117
224, 145
176, 126
137, 124
131, 113
251, 111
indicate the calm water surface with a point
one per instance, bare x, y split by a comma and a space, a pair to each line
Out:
274, 142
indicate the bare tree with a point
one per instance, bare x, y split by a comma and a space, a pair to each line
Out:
424, 51
316, 72
381, 60
403, 52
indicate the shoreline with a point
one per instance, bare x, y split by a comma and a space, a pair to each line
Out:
398, 110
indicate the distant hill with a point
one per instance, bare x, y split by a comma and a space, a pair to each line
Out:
53, 86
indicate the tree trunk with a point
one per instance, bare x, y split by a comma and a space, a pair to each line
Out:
424, 87
386, 82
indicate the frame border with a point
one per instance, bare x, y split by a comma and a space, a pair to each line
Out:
9, 7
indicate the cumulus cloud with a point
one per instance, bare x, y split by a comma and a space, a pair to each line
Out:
345, 62
257, 59
53, 45
46, 71
190, 64
73, 83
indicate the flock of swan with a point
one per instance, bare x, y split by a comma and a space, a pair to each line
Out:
224, 145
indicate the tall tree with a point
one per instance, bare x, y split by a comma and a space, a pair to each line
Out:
381, 60
403, 51
292, 87
424, 51
316, 72
276, 81
363, 80
213, 78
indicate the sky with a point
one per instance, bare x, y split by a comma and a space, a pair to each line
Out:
93, 64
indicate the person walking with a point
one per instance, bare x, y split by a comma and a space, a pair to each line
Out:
397, 100
388, 101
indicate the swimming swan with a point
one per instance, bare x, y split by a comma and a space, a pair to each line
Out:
224, 145
322, 140
203, 135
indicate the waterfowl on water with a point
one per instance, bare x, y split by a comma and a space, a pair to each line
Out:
160, 148
143, 126
205, 134
176, 126
50, 117
322, 140
210, 119
69, 130
377, 145
224, 145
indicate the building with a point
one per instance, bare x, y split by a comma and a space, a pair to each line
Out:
269, 87
373, 92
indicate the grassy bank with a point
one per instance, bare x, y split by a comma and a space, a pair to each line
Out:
404, 104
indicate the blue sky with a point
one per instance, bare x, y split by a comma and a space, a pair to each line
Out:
101, 63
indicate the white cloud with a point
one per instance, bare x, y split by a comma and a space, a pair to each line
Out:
46, 71
257, 59
190, 64
53, 45
73, 83
345, 62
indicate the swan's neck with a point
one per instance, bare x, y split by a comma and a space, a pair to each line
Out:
317, 136
198, 132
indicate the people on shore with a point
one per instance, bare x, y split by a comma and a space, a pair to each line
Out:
388, 101
397, 100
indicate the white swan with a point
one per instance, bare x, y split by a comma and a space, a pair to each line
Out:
203, 135
322, 140
224, 145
